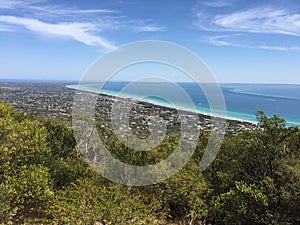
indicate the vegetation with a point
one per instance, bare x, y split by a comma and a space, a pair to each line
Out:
255, 179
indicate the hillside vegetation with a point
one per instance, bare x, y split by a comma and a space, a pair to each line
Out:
255, 179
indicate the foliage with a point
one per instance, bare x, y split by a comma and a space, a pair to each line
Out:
255, 179
248, 178
86, 202
24, 181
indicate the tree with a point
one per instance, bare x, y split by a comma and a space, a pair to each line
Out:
24, 179
249, 177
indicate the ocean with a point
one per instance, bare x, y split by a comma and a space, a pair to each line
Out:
241, 100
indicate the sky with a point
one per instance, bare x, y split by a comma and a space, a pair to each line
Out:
241, 41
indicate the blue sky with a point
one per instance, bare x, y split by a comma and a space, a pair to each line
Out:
241, 41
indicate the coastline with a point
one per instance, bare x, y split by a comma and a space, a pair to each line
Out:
186, 109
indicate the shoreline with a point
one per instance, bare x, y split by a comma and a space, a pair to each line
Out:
181, 108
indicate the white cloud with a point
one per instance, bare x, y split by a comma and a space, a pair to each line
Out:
13, 4
4, 27
75, 23
83, 11
59, 11
150, 28
218, 40
38, 6
81, 32
226, 40
245, 28
261, 20
217, 3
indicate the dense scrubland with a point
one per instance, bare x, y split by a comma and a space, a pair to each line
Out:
255, 178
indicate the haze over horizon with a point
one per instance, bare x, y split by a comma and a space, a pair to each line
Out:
241, 41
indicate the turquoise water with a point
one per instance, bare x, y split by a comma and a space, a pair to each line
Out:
242, 100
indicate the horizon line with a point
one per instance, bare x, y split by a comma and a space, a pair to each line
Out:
33, 80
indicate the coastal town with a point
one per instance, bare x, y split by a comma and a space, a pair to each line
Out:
54, 100
47, 99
